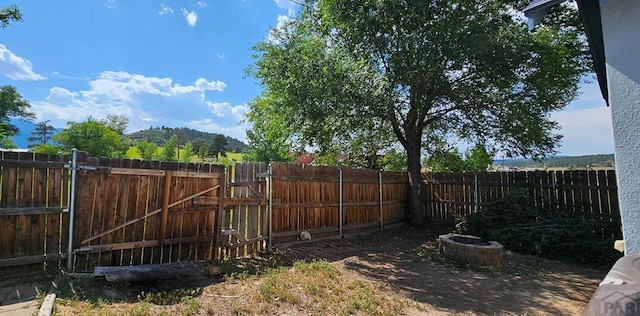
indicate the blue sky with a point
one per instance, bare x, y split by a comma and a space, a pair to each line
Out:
177, 64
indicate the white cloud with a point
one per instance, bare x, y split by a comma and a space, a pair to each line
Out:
165, 9
191, 16
15, 67
145, 101
112, 4
586, 124
201, 4
288, 5
203, 84
228, 111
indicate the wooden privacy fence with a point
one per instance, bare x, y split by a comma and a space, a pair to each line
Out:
448, 197
131, 212
34, 206
330, 201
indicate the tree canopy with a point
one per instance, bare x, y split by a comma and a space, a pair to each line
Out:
451, 160
147, 150
413, 72
92, 136
12, 105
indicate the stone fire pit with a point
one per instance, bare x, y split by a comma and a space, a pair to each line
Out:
471, 249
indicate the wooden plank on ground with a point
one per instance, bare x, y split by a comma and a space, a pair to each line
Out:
148, 272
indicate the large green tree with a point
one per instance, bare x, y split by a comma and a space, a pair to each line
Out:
92, 136
268, 140
12, 105
424, 70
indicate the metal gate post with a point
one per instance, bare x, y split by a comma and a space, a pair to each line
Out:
340, 203
381, 215
72, 207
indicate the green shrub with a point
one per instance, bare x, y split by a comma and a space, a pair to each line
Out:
523, 226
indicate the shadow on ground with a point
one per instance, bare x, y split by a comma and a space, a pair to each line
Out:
407, 259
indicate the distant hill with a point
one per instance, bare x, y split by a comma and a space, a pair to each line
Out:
593, 161
159, 135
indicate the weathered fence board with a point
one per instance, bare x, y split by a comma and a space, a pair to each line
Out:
308, 198
243, 212
451, 196
33, 205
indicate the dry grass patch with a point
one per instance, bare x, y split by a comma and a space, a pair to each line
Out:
320, 287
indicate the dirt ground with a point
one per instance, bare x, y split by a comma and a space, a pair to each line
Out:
404, 258
403, 263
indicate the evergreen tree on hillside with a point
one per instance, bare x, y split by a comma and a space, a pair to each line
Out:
170, 151
41, 134
197, 143
218, 147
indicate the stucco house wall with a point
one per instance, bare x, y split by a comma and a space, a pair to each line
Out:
621, 33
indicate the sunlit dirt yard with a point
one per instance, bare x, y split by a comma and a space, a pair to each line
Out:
390, 272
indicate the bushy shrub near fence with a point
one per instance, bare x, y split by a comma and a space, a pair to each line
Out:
522, 226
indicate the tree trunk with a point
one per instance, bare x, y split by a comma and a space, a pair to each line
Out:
416, 213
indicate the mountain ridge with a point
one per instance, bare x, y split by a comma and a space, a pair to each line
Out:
582, 161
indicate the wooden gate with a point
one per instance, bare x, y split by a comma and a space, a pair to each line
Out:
131, 212
34, 197
244, 217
